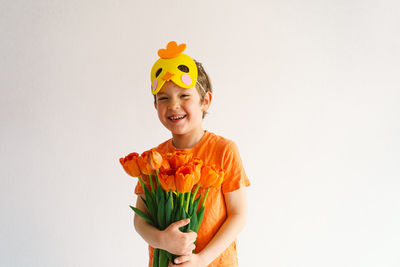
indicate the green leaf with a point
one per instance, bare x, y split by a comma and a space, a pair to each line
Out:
155, 257
168, 210
170, 256
174, 214
193, 223
147, 193
159, 194
161, 214
144, 200
185, 216
181, 215
196, 204
142, 214
200, 216
190, 209
179, 208
151, 204
163, 260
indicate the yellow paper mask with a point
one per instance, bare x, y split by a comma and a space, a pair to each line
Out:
174, 66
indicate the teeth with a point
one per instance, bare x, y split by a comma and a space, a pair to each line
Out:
177, 118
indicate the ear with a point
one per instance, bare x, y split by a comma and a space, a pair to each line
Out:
207, 101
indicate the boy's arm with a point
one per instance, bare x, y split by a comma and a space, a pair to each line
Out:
183, 242
236, 204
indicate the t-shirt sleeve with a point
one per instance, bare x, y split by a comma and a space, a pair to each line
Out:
235, 176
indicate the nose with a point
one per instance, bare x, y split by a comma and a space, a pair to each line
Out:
174, 104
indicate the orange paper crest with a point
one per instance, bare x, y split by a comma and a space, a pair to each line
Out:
173, 50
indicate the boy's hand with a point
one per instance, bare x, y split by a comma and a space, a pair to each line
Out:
192, 260
177, 242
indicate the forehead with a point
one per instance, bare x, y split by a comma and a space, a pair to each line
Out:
171, 88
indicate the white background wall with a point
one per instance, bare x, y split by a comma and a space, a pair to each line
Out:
309, 90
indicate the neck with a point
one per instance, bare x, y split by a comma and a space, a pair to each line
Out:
187, 140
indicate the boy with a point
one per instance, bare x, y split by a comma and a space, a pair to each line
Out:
183, 94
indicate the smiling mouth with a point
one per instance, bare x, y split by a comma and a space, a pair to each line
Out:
175, 118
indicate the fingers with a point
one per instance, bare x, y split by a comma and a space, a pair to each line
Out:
192, 247
181, 259
180, 223
183, 241
192, 235
188, 250
188, 240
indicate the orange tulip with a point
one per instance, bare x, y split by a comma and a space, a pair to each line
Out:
167, 180
168, 156
211, 177
221, 175
144, 165
130, 164
179, 159
196, 164
165, 165
184, 179
155, 159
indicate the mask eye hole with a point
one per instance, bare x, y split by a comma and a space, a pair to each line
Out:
158, 72
183, 68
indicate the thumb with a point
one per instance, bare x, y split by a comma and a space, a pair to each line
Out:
180, 223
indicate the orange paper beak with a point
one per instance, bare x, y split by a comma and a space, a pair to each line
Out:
167, 76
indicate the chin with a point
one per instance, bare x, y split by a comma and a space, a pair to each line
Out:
178, 132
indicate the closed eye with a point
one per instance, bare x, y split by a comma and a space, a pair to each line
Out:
162, 98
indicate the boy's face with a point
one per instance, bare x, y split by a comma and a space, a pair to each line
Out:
180, 110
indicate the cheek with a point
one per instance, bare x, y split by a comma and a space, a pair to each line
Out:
195, 108
160, 110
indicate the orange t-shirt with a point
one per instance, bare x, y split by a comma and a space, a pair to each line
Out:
213, 149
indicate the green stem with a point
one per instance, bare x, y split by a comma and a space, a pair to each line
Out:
156, 257
141, 183
151, 183
187, 201
195, 192
159, 184
181, 196
205, 197
163, 259
172, 199
157, 180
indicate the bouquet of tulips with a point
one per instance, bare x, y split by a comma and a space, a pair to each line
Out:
170, 183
